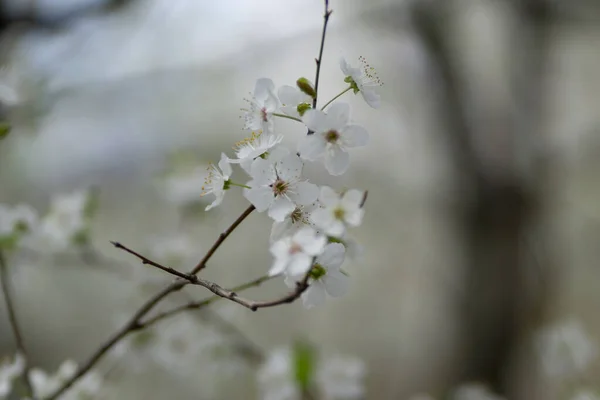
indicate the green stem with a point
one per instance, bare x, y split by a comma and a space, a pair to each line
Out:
336, 97
286, 116
239, 185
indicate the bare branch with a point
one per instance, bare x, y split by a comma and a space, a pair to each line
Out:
14, 323
202, 264
320, 58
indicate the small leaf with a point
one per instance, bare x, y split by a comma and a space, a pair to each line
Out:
304, 364
4, 129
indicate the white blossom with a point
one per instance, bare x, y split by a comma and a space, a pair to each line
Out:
296, 220
63, 222
363, 79
585, 395
474, 391
341, 378
294, 102
325, 277
294, 254
338, 211
332, 136
276, 377
259, 144
44, 385
262, 105
277, 186
565, 349
217, 181
9, 371
17, 218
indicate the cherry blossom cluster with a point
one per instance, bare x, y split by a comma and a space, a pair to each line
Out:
66, 223
42, 384
309, 239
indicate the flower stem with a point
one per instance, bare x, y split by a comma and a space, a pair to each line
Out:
239, 185
336, 97
286, 116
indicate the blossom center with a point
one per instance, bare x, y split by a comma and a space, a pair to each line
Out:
263, 114
280, 187
317, 272
339, 213
295, 248
296, 215
332, 136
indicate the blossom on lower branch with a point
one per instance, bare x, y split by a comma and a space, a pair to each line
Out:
326, 276
339, 211
294, 254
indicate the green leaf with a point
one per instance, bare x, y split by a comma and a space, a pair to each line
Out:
4, 129
304, 364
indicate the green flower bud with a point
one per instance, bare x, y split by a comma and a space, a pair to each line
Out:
306, 87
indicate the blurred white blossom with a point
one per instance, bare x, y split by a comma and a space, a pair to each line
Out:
9, 371
341, 378
18, 218
585, 395
185, 188
474, 391
44, 385
565, 349
276, 378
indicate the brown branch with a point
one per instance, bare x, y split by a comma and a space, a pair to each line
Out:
320, 58
147, 261
14, 323
134, 322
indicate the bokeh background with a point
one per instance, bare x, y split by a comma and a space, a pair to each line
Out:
483, 153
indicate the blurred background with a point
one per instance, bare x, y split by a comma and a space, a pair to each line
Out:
482, 221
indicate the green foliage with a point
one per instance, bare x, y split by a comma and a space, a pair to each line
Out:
304, 359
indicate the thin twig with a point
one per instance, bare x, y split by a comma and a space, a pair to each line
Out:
203, 303
14, 323
202, 264
320, 58
147, 261
134, 322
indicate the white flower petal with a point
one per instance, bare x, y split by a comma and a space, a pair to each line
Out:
338, 115
328, 197
299, 264
224, 166
315, 120
312, 146
305, 193
289, 168
337, 160
336, 283
262, 172
314, 295
371, 97
352, 198
354, 218
263, 89
345, 67
355, 136
281, 208
261, 197
332, 257
289, 95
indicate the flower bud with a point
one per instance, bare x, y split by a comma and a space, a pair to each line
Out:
306, 87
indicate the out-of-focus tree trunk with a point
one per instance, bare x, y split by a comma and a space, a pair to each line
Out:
496, 153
